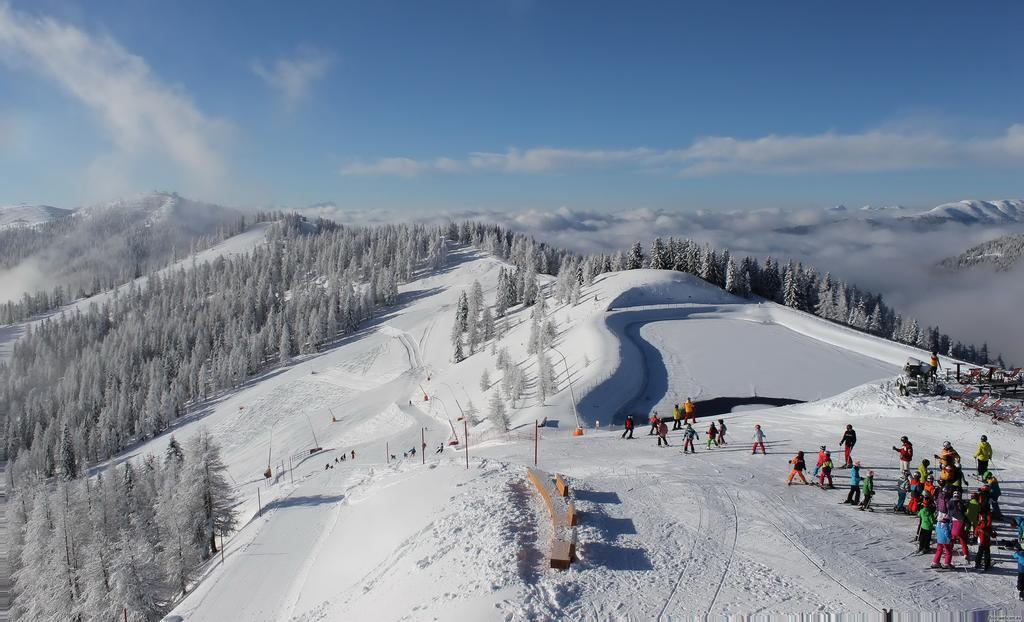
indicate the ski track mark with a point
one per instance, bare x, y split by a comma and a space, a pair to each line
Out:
732, 551
686, 566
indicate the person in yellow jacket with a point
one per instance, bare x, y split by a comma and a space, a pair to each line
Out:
935, 363
677, 417
983, 455
688, 411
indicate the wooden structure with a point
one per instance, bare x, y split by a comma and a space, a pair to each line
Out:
555, 492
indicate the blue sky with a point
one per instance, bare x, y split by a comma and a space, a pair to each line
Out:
512, 104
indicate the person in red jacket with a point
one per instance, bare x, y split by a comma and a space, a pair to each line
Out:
821, 460
654, 423
984, 532
906, 452
628, 427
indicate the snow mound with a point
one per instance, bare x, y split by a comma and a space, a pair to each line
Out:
637, 288
23, 215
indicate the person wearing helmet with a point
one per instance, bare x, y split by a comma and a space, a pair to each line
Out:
689, 411
712, 435
943, 542
826, 472
906, 452
983, 455
821, 460
677, 418
798, 468
902, 488
984, 532
926, 515
688, 435
993, 494
948, 455
759, 437
654, 421
721, 432
916, 491
867, 488
923, 471
853, 497
847, 442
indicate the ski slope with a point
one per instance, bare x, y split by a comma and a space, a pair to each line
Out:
662, 535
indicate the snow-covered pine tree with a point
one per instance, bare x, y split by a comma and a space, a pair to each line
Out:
497, 412
732, 279
68, 463
545, 378
485, 381
487, 324
636, 257
660, 259
458, 355
206, 478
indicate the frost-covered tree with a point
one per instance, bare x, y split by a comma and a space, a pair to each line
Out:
485, 381
458, 355
206, 478
498, 413
545, 378
660, 258
636, 257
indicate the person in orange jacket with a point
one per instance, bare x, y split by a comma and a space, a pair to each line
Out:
798, 468
689, 411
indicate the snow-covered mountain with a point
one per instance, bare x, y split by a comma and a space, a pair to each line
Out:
25, 215
1001, 254
974, 212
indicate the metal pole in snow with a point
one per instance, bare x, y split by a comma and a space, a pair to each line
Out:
290, 474
259, 504
423, 446
536, 433
465, 433
387, 452
222, 547
572, 394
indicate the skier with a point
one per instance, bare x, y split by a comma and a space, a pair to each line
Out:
948, 455
758, 440
1019, 556
984, 533
712, 434
983, 455
972, 512
959, 528
440, 448
906, 452
916, 490
826, 472
902, 488
798, 468
943, 543
628, 427
662, 434
654, 421
721, 432
923, 470
853, 497
821, 459
688, 435
927, 516
412, 452
343, 457
688, 411
353, 454
867, 488
677, 418
934, 361
847, 442
993, 494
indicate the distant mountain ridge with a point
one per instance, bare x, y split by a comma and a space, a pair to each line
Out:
25, 215
971, 212
1002, 254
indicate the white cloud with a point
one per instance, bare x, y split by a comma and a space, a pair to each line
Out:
293, 77
872, 151
142, 115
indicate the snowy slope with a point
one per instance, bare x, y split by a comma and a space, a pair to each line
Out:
975, 212
24, 215
661, 535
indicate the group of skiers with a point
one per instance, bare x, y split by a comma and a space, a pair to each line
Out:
942, 504
683, 419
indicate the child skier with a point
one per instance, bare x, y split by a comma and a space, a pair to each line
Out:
758, 440
916, 490
906, 452
924, 531
853, 497
798, 468
959, 529
867, 488
993, 494
983, 455
677, 418
654, 421
847, 442
826, 472
1019, 556
662, 434
712, 434
721, 432
923, 470
688, 435
985, 533
943, 543
902, 488
821, 460
628, 427
948, 455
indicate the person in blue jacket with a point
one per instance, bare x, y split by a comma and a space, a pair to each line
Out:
853, 498
1019, 556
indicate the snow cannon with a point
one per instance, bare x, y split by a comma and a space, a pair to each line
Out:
915, 368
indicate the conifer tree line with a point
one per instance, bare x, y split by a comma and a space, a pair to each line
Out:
128, 249
127, 540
